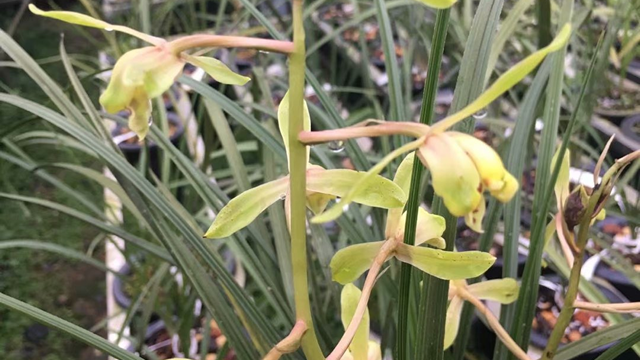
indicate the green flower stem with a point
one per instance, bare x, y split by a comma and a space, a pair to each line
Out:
298, 185
426, 117
222, 41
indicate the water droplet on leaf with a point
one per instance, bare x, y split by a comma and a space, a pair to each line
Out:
480, 114
108, 29
336, 146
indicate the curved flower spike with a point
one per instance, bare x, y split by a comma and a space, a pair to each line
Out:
504, 291
145, 73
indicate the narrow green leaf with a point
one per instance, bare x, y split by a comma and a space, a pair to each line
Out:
616, 350
446, 265
597, 339
75, 331
349, 263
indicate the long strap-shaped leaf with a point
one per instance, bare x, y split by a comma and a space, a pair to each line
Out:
77, 332
176, 246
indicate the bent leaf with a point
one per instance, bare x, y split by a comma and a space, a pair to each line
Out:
506, 81
244, 208
504, 291
283, 122
349, 299
349, 263
357, 187
445, 265
377, 192
86, 20
216, 69
452, 321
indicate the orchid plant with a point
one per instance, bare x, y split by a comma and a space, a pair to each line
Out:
462, 168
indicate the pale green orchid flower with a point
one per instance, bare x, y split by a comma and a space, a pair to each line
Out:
322, 186
504, 291
461, 166
143, 74
350, 263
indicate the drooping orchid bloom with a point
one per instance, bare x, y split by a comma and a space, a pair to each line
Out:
461, 166
349, 263
504, 291
361, 347
322, 186
145, 73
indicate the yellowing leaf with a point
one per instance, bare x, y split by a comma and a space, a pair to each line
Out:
453, 174
244, 208
283, 122
349, 263
86, 20
377, 192
445, 265
335, 212
452, 322
429, 229
349, 302
438, 4
506, 81
504, 291
216, 69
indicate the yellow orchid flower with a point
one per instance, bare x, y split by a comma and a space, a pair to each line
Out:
143, 74
461, 166
361, 347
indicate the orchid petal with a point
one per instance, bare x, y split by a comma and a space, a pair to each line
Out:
504, 291
561, 187
403, 180
352, 261
474, 219
283, 122
506, 81
452, 322
376, 192
349, 299
216, 69
429, 229
356, 189
438, 4
86, 20
445, 265
453, 174
486, 160
244, 208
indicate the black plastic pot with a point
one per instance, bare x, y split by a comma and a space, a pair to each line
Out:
619, 281
120, 295
132, 151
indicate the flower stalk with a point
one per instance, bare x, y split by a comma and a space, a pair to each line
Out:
298, 187
223, 41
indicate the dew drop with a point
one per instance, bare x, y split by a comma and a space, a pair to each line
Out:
336, 146
108, 29
150, 120
480, 114
283, 196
